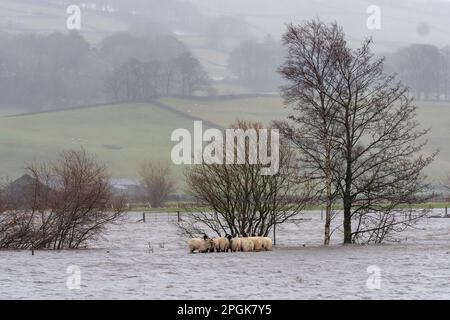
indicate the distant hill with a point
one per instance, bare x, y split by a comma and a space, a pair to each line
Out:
125, 134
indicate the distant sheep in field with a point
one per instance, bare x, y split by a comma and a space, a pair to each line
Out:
201, 245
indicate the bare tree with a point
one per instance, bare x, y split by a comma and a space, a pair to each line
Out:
3, 199
255, 63
157, 181
312, 77
69, 203
237, 199
422, 67
192, 75
376, 140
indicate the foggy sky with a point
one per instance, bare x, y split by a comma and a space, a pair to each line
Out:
402, 21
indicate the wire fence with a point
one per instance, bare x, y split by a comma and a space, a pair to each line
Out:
163, 217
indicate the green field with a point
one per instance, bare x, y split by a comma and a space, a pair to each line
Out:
120, 135
226, 111
124, 135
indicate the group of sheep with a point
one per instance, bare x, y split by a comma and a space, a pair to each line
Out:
228, 243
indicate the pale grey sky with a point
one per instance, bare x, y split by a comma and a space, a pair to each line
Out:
402, 21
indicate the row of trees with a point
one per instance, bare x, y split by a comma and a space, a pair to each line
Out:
136, 80
255, 64
63, 70
425, 69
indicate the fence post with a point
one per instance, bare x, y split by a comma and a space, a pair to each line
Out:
178, 215
274, 234
143, 217
446, 211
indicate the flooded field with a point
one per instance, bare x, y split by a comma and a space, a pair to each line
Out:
150, 260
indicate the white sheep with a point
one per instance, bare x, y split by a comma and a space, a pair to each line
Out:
201, 245
222, 243
216, 243
267, 243
257, 243
235, 244
247, 245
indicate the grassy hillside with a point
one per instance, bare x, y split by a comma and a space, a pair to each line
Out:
432, 115
120, 135
225, 111
124, 135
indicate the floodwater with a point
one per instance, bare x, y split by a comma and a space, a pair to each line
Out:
136, 260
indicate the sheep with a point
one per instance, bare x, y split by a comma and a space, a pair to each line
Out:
235, 244
216, 241
258, 243
267, 243
201, 245
222, 244
247, 245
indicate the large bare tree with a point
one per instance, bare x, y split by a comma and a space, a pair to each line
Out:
311, 71
374, 139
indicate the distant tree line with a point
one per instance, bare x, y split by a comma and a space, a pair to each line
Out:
425, 69
254, 64
62, 70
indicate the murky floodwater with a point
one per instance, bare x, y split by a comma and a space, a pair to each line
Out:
150, 261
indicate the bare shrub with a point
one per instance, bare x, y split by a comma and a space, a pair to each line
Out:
237, 199
69, 203
157, 181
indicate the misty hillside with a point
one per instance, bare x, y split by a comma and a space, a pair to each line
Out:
213, 30
131, 53
403, 22
124, 134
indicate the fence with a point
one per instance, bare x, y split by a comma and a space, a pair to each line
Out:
161, 217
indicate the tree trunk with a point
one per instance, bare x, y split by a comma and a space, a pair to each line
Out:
347, 222
347, 196
329, 203
327, 235
347, 210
